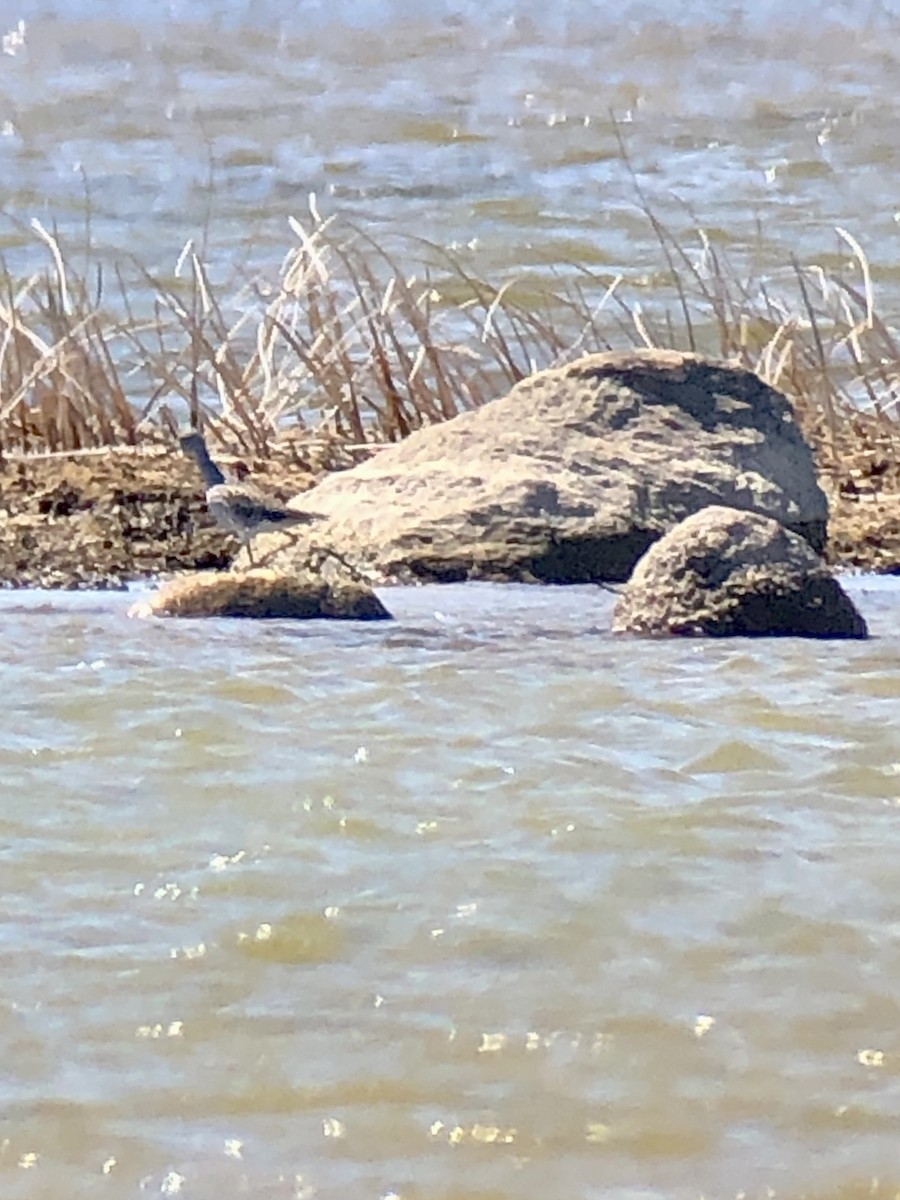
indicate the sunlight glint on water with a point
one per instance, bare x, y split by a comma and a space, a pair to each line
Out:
485, 128
482, 903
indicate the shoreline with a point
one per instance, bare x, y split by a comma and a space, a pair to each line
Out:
105, 519
109, 518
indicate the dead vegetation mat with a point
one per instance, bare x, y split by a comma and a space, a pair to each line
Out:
100, 520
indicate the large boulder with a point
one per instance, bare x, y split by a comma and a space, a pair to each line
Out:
724, 573
572, 475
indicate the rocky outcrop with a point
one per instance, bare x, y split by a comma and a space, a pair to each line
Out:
726, 573
261, 594
572, 475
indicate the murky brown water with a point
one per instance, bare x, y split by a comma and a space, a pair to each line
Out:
482, 904
486, 904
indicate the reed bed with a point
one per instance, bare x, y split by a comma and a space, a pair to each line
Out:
346, 345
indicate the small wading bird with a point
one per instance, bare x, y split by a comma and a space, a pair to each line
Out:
239, 507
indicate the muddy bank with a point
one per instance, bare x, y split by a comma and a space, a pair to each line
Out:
858, 461
100, 520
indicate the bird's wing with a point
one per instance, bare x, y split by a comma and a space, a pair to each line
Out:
244, 506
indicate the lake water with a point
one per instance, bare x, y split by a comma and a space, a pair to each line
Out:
482, 903
481, 126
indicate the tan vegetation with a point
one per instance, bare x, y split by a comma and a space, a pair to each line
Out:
347, 349
348, 344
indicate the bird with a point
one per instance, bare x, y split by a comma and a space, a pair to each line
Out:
240, 507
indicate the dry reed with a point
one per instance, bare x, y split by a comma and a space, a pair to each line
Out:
347, 345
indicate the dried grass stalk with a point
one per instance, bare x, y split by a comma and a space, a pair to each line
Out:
347, 343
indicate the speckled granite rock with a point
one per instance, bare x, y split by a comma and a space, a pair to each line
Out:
723, 573
572, 475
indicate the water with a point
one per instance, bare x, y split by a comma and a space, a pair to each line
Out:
484, 127
482, 903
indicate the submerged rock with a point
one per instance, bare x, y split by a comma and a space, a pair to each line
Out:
572, 475
724, 573
261, 594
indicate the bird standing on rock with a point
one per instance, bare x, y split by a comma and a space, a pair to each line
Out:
240, 507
